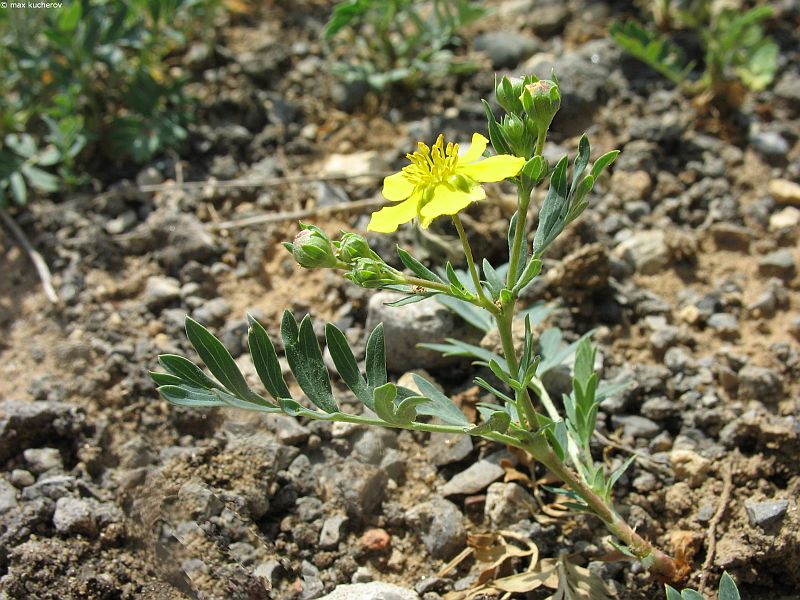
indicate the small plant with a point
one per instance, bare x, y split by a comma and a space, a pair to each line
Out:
727, 591
737, 51
382, 42
440, 181
89, 81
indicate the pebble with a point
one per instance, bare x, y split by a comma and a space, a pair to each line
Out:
24, 424
370, 445
8, 496
333, 531
645, 251
446, 448
729, 236
212, 311
43, 459
507, 504
769, 143
760, 383
376, 540
725, 325
764, 514
689, 466
477, 476
785, 218
354, 164
21, 478
636, 426
360, 488
160, 291
75, 516
785, 191
440, 524
506, 49
406, 326
374, 590
777, 264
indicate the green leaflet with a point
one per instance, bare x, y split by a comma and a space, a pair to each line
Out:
305, 359
440, 406
265, 360
346, 364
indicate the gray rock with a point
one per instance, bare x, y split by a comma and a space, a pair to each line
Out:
549, 19
309, 508
160, 291
507, 503
777, 264
660, 408
764, 514
441, 527
179, 238
370, 445
121, 223
760, 383
725, 325
477, 477
21, 478
333, 531
678, 360
645, 251
375, 590
360, 488
8, 496
75, 516
25, 424
409, 325
446, 448
212, 311
224, 167
636, 426
43, 459
349, 95
769, 143
268, 570
289, 430
52, 487
199, 501
506, 49
394, 463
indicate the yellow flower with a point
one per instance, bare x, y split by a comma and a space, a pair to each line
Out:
440, 182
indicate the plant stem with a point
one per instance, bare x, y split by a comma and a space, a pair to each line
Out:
471, 262
662, 564
524, 199
425, 283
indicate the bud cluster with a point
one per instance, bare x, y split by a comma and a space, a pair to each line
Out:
313, 249
530, 104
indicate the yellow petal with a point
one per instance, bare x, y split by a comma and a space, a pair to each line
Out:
449, 201
396, 187
495, 168
389, 218
475, 150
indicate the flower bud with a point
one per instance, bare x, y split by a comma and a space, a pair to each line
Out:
371, 273
312, 249
520, 134
353, 246
508, 91
541, 100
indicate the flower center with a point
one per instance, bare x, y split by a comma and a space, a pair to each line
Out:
431, 166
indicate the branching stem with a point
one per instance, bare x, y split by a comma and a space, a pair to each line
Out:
476, 280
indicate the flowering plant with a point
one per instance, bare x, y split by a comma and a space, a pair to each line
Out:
442, 182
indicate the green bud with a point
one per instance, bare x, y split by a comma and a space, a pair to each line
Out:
521, 135
353, 246
371, 273
541, 100
312, 249
508, 91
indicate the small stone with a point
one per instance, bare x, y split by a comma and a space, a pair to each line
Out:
376, 540
26, 424
785, 191
507, 504
705, 514
75, 516
636, 426
689, 466
785, 218
360, 488
728, 236
375, 590
289, 430
333, 529
362, 575
725, 325
369, 445
476, 477
268, 570
447, 448
212, 311
659, 408
777, 264
407, 326
760, 383
506, 49
160, 291
21, 478
43, 459
769, 143
550, 19
764, 514
646, 251
393, 463
121, 223
645, 482
8, 496
354, 164
631, 185
441, 527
